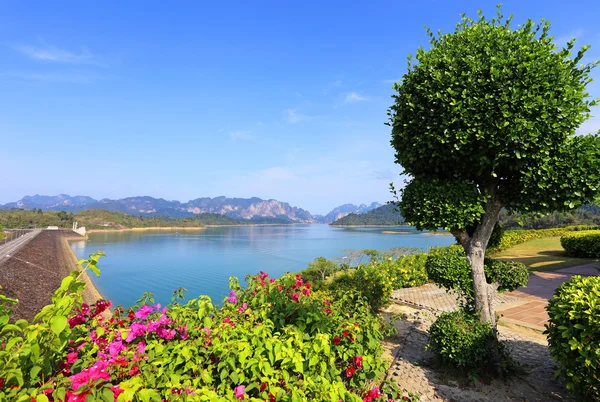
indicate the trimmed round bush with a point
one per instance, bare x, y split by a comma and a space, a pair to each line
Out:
460, 341
509, 275
448, 267
585, 244
574, 335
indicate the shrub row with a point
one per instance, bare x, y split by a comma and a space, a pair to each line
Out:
511, 238
376, 280
274, 340
574, 335
585, 244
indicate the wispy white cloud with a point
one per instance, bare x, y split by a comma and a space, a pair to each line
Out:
319, 179
293, 116
57, 55
353, 97
240, 135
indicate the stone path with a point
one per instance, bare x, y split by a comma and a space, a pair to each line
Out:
525, 306
412, 366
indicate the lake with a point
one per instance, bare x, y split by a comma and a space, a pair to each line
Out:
202, 261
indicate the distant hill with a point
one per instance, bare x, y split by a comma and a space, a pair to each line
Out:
57, 202
254, 209
386, 215
344, 210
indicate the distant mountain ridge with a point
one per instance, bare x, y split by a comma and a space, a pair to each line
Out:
346, 209
254, 209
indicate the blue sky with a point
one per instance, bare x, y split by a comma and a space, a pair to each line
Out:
180, 100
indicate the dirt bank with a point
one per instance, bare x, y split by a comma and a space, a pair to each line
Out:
35, 271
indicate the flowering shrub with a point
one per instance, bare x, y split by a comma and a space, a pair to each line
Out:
273, 341
376, 280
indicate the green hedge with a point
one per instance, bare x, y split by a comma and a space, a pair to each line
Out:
448, 267
574, 335
584, 244
511, 238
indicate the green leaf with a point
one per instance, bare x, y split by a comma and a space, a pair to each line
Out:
58, 324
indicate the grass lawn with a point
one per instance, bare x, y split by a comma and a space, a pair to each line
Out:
541, 255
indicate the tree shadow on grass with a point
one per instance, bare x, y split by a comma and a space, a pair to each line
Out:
416, 370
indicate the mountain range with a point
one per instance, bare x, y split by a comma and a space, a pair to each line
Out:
252, 209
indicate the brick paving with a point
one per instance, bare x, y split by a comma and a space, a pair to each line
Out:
524, 306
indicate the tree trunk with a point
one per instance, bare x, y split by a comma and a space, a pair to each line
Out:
475, 246
484, 294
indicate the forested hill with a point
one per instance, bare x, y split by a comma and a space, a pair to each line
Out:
101, 219
254, 209
386, 215
584, 215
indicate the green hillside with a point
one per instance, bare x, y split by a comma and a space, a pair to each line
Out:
386, 215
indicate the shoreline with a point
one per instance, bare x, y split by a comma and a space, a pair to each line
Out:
191, 228
147, 229
370, 226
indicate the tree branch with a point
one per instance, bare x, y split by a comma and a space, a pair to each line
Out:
462, 236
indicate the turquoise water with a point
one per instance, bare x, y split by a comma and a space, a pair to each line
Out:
202, 261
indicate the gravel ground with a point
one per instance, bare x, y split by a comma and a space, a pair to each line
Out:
36, 270
414, 370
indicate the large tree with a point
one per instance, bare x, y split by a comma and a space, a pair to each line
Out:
485, 119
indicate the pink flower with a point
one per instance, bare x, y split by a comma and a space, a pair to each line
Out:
239, 391
141, 347
271, 280
167, 334
164, 320
207, 330
72, 357
116, 391
71, 397
115, 348
295, 297
143, 312
152, 326
243, 308
94, 373
232, 299
306, 292
137, 329
85, 308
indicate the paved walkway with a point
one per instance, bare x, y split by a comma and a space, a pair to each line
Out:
524, 306
414, 369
